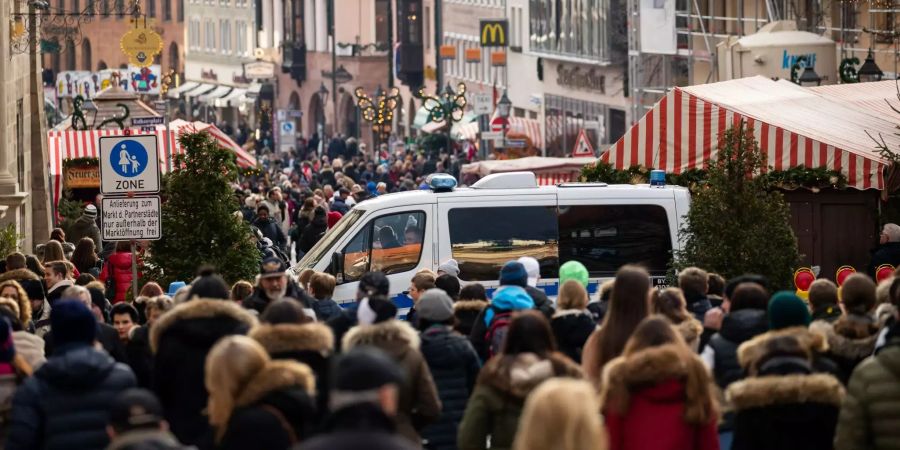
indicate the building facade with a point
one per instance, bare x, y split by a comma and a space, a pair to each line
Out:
24, 192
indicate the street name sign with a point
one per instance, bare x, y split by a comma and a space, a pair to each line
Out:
129, 164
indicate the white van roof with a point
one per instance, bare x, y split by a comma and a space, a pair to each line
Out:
513, 184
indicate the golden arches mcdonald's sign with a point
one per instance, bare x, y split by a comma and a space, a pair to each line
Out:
494, 33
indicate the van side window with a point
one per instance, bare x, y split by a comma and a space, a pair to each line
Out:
483, 239
390, 244
606, 237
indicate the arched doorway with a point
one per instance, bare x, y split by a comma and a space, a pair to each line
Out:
315, 113
102, 65
294, 104
349, 118
86, 54
174, 58
70, 55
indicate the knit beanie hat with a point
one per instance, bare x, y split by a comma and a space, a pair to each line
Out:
435, 305
450, 267
72, 322
513, 273
786, 309
33, 288
573, 270
90, 211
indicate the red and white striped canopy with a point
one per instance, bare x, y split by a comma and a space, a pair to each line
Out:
70, 144
531, 128
793, 125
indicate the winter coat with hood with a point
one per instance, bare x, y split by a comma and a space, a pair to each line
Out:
314, 231
653, 388
31, 347
270, 228
466, 312
851, 339
310, 343
419, 404
785, 404
721, 351
870, 414
65, 404
85, 227
572, 328
274, 410
258, 300
506, 299
542, 303
118, 266
496, 404
454, 366
147, 439
180, 340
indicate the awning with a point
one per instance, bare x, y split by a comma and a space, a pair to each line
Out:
204, 88
254, 90
531, 128
794, 126
184, 88
232, 99
179, 127
210, 97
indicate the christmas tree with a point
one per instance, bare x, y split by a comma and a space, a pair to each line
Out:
737, 224
198, 224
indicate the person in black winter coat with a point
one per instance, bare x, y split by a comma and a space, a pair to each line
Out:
321, 288
541, 302
314, 231
269, 227
453, 363
180, 340
309, 343
255, 402
274, 284
572, 323
888, 250
367, 383
65, 404
136, 423
107, 336
694, 283
339, 203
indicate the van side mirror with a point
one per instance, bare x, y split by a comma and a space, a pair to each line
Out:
337, 266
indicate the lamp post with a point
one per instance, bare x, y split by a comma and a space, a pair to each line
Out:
323, 99
446, 108
869, 71
503, 108
379, 110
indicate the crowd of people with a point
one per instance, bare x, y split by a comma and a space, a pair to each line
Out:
276, 363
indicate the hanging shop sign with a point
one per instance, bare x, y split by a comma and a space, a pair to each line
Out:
79, 177
259, 70
576, 78
141, 45
494, 33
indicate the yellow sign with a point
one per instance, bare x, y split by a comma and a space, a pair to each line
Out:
141, 45
77, 177
493, 33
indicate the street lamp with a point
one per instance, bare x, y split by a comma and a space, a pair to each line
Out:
446, 108
503, 107
323, 99
379, 111
809, 76
869, 70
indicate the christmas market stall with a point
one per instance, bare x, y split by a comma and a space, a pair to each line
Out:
820, 145
548, 171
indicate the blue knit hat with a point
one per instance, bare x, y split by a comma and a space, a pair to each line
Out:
72, 322
787, 310
513, 273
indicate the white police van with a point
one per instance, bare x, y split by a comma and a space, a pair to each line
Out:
500, 218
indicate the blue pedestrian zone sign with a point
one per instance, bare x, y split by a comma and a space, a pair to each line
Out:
129, 164
129, 159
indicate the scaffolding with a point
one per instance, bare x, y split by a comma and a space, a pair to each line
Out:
702, 24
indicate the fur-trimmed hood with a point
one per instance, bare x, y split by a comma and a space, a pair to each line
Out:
199, 309
750, 352
690, 330
518, 375
841, 343
759, 392
393, 336
19, 274
469, 305
284, 338
646, 368
274, 376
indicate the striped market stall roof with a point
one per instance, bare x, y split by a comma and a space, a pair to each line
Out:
793, 125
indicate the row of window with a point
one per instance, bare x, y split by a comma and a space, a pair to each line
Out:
602, 237
481, 71
231, 39
120, 7
220, 2
576, 28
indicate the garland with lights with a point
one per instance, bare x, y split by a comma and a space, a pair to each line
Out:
814, 179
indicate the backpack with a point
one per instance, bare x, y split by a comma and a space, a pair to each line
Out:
496, 332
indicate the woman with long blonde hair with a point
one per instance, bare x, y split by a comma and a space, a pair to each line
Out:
255, 402
562, 414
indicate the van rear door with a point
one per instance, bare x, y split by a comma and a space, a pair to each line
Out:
606, 227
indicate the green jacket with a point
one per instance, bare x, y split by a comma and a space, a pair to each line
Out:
496, 403
870, 414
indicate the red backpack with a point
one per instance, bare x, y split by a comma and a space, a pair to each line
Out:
496, 332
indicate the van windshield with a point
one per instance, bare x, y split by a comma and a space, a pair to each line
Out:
314, 255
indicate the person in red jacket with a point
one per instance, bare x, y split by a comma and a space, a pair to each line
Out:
658, 395
118, 266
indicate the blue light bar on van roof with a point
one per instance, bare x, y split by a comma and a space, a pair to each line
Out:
441, 182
